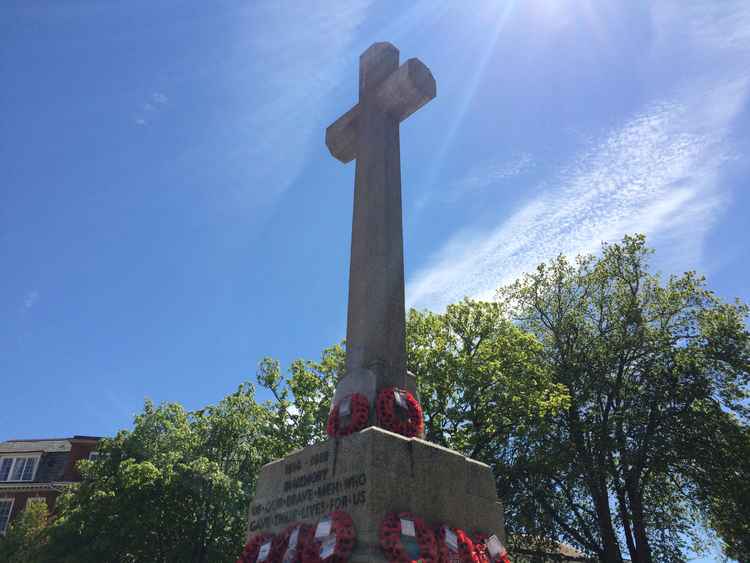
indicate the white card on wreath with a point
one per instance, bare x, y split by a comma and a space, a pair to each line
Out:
450, 539
495, 546
407, 527
265, 549
328, 547
400, 399
324, 528
293, 538
345, 408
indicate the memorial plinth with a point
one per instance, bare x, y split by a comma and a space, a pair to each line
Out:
369, 474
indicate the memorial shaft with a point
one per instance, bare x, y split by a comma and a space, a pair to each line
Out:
375, 335
369, 132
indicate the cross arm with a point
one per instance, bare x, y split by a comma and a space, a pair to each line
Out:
341, 136
405, 91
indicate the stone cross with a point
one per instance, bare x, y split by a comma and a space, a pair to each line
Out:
369, 132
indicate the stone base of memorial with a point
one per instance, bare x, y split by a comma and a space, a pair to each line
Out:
370, 474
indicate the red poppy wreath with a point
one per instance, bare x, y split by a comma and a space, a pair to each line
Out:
399, 412
348, 416
480, 547
333, 540
489, 549
257, 549
455, 545
405, 537
289, 545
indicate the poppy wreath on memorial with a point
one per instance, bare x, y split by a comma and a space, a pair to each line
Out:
483, 552
465, 554
342, 528
359, 415
480, 547
252, 548
408, 422
280, 552
393, 546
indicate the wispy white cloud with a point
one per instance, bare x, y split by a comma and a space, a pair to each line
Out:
716, 26
30, 299
288, 96
146, 112
657, 173
493, 172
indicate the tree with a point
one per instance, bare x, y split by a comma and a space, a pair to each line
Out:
25, 538
722, 473
302, 400
175, 488
657, 373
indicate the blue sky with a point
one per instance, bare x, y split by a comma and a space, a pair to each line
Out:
169, 213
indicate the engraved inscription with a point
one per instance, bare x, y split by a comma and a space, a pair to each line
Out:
308, 495
293, 466
305, 480
318, 458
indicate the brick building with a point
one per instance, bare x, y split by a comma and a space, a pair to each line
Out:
38, 471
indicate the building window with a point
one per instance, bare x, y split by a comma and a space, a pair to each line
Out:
18, 468
6, 505
5, 465
93, 456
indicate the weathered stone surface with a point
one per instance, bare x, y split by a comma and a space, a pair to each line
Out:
341, 136
370, 474
404, 92
369, 132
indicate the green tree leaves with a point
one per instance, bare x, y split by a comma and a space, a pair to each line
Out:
481, 380
174, 488
657, 373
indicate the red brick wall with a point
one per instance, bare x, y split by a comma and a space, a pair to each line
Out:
20, 499
79, 449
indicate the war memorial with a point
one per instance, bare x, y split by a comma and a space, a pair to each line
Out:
376, 490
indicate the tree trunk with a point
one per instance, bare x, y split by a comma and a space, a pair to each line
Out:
611, 549
595, 479
643, 548
625, 517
